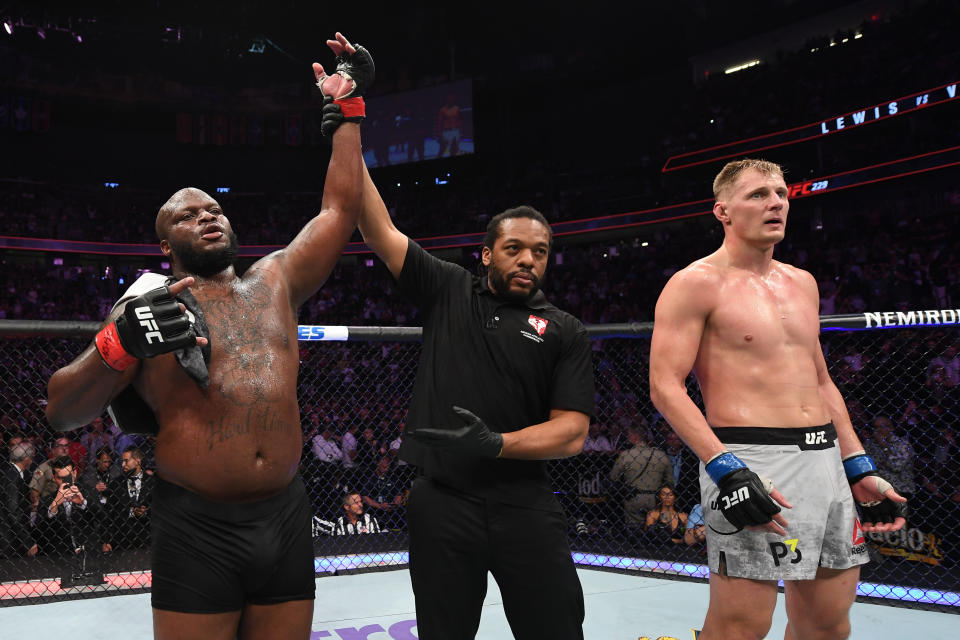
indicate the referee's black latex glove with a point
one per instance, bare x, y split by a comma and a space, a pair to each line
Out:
474, 438
743, 499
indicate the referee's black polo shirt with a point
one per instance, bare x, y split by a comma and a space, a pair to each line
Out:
508, 363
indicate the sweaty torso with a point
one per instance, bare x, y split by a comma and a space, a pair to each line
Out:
239, 439
756, 364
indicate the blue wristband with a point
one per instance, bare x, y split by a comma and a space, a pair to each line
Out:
859, 465
722, 465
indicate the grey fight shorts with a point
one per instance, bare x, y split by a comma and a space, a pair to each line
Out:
823, 529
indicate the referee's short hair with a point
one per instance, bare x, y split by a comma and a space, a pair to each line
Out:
523, 211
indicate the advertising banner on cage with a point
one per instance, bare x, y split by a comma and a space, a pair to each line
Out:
909, 543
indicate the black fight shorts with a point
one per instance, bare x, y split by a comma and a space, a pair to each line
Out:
212, 557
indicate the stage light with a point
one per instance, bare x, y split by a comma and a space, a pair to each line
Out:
111, 185
223, 189
8, 27
41, 33
741, 67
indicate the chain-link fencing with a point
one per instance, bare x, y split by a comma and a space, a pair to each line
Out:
900, 383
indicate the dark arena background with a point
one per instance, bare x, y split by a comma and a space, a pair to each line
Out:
611, 119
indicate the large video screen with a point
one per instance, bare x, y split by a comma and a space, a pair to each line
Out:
419, 125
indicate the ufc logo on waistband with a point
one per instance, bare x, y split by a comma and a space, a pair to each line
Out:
146, 320
738, 496
820, 437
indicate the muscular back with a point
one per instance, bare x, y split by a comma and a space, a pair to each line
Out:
241, 435
757, 359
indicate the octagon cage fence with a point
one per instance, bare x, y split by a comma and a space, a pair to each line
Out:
896, 370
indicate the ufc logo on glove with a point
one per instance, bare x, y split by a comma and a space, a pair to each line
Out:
738, 496
146, 320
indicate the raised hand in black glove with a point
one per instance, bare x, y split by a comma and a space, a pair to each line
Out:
474, 437
151, 324
354, 75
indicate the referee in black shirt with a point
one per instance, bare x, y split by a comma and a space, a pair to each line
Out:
504, 382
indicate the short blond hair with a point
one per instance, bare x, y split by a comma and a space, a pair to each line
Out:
732, 170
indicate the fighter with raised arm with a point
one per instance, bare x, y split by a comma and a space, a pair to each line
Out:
748, 327
211, 359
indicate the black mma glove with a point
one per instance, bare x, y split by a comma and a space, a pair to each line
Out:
743, 498
343, 92
151, 324
859, 466
332, 117
474, 438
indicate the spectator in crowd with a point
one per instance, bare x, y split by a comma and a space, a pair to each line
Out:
43, 485
665, 522
395, 443
77, 453
696, 533
939, 467
16, 538
368, 447
354, 520
640, 470
597, 441
98, 482
130, 513
328, 457
383, 494
348, 449
686, 469
939, 388
125, 440
949, 360
62, 525
97, 438
893, 455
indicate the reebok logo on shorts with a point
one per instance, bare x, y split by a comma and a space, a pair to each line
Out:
859, 541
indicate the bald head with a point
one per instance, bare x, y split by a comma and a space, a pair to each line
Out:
174, 204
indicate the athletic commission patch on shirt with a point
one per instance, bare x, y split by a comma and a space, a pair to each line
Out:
538, 323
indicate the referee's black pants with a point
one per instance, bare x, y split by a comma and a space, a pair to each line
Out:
455, 539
